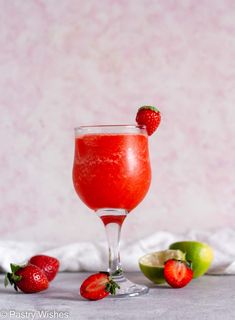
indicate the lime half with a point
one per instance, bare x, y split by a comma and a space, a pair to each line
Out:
152, 264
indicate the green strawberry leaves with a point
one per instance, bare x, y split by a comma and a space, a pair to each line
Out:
12, 277
111, 285
149, 108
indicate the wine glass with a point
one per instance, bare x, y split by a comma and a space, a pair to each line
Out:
111, 175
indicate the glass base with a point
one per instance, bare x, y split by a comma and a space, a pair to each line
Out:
113, 219
128, 288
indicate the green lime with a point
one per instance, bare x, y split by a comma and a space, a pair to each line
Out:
200, 254
152, 264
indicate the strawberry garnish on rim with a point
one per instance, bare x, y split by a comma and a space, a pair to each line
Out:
178, 273
98, 286
150, 117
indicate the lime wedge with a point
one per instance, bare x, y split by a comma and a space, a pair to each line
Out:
152, 264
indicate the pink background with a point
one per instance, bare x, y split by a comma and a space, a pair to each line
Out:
65, 63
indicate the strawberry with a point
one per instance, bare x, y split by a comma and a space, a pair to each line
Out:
177, 273
48, 264
98, 286
28, 278
150, 117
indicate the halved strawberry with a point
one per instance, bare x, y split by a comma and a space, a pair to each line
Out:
98, 286
150, 117
177, 273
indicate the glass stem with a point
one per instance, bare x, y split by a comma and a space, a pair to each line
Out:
113, 219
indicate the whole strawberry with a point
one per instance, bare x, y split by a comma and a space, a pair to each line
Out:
150, 117
48, 264
98, 286
28, 278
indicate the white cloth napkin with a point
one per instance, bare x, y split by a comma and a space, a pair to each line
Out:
88, 256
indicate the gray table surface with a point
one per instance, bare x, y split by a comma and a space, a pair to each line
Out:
209, 297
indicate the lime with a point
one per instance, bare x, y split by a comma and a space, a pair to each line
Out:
200, 254
152, 264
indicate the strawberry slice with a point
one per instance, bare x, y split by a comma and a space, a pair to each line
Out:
177, 273
150, 117
98, 286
